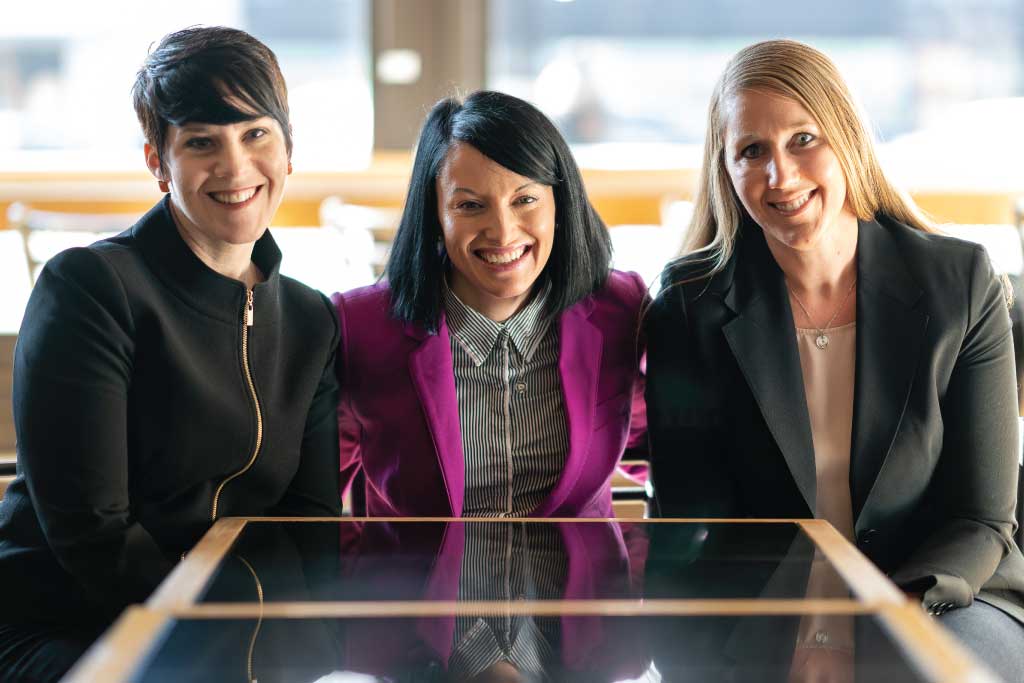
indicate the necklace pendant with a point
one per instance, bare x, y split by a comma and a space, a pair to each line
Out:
822, 341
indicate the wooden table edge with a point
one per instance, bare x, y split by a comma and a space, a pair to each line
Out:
609, 608
183, 585
860, 573
120, 651
935, 652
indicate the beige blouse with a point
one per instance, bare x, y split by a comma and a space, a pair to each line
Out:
828, 385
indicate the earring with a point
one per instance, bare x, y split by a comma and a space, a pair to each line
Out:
164, 187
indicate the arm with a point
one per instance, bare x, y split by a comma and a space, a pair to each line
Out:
975, 482
349, 430
72, 373
689, 473
314, 489
636, 441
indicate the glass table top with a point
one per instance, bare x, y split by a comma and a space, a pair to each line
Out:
486, 560
521, 647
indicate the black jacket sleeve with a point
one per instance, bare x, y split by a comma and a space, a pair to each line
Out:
72, 378
690, 477
315, 489
975, 482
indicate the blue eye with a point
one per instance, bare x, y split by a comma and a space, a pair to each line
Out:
198, 143
751, 151
804, 139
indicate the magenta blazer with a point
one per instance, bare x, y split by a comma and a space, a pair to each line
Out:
398, 413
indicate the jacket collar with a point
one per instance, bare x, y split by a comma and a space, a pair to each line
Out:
890, 332
219, 297
763, 340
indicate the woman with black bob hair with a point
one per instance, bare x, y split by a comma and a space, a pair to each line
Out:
170, 375
496, 364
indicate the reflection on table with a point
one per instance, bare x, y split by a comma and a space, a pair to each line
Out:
358, 601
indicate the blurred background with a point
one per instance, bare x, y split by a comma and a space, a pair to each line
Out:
627, 81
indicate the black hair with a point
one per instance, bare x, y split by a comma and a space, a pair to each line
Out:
208, 74
516, 135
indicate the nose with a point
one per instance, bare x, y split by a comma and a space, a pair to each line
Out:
781, 169
230, 160
503, 226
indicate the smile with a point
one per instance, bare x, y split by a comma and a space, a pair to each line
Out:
793, 206
502, 257
234, 197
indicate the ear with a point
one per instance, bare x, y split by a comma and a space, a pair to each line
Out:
153, 161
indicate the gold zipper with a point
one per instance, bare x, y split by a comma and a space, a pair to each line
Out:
259, 622
246, 324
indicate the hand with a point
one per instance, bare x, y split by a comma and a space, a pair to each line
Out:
821, 665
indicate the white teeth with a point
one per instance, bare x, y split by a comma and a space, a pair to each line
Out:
793, 205
234, 197
503, 257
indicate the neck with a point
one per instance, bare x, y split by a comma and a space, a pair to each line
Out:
230, 260
497, 309
828, 267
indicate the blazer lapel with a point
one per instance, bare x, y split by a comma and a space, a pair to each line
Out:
889, 336
433, 375
579, 366
763, 340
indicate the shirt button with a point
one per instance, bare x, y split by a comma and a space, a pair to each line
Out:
521, 387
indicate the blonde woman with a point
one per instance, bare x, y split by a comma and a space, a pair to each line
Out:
820, 350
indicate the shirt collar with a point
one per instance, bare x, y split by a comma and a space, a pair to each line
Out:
477, 334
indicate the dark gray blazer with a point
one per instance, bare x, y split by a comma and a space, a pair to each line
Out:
933, 470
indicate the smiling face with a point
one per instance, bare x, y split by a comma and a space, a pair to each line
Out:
498, 229
784, 171
225, 181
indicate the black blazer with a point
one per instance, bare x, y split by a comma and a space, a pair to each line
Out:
933, 471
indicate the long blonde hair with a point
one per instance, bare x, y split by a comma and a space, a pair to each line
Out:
805, 75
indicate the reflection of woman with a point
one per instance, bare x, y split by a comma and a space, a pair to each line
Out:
822, 352
493, 373
507, 565
167, 376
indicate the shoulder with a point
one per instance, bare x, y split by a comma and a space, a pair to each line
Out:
365, 305
95, 272
369, 333
935, 259
307, 309
620, 292
685, 280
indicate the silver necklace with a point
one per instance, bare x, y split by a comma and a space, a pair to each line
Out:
821, 341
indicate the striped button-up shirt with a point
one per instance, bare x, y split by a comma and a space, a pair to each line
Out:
511, 407
509, 562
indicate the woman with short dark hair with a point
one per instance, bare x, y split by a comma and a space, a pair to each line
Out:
493, 372
170, 375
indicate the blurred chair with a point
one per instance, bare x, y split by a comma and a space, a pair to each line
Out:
367, 232
631, 489
46, 233
646, 249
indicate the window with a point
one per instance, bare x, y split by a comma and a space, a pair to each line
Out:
612, 72
66, 69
